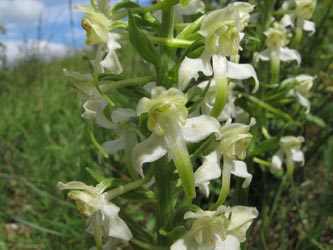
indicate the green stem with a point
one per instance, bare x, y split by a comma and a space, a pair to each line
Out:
299, 31
160, 5
167, 25
179, 153
94, 141
128, 82
175, 43
277, 197
222, 90
275, 67
129, 187
226, 176
266, 106
98, 235
262, 162
164, 187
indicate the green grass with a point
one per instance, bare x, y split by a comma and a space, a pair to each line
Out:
43, 140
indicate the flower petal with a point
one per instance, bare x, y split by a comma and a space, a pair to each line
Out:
277, 160
190, 69
239, 169
241, 219
287, 54
114, 146
113, 225
152, 149
241, 72
309, 26
199, 128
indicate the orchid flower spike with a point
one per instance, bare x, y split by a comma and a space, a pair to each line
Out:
289, 152
103, 214
223, 229
171, 129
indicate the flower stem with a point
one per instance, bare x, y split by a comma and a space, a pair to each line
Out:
129, 187
226, 176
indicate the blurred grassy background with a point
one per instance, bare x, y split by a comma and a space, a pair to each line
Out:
43, 140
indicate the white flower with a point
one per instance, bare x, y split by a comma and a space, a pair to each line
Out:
193, 7
303, 11
302, 90
222, 29
103, 215
234, 138
276, 42
223, 70
96, 25
289, 153
223, 229
167, 119
127, 134
93, 102
108, 58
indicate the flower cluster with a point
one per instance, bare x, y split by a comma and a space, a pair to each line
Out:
190, 124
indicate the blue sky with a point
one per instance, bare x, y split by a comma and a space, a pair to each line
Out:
43, 24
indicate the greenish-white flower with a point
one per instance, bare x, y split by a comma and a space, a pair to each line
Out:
222, 29
276, 42
299, 17
103, 214
167, 119
289, 152
233, 141
93, 102
223, 229
302, 90
96, 24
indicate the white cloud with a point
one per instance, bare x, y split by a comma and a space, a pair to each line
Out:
20, 12
16, 50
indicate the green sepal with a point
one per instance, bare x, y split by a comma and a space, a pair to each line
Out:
141, 42
263, 147
97, 176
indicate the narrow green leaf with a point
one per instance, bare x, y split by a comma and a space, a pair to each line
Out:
140, 41
265, 146
266, 106
316, 120
98, 177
